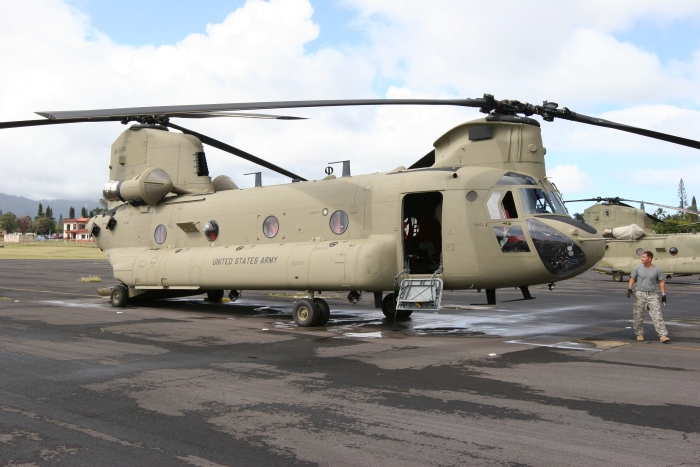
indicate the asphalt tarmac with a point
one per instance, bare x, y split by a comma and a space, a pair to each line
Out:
558, 380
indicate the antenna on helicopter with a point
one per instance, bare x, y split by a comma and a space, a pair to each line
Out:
346, 167
258, 177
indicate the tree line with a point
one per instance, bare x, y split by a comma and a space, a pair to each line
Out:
44, 223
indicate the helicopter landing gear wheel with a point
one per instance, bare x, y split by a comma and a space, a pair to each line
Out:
617, 277
389, 308
668, 277
324, 311
119, 296
305, 313
234, 295
389, 305
215, 295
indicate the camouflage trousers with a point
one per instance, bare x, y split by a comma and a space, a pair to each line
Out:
642, 301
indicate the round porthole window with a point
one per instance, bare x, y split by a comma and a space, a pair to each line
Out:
271, 226
211, 230
472, 196
339, 222
640, 251
160, 234
673, 250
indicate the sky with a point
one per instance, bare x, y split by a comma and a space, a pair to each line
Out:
635, 62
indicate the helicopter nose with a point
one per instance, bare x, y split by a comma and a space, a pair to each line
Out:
565, 246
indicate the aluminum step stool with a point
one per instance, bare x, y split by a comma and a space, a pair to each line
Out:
420, 294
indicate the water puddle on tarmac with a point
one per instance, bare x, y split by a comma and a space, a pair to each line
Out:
76, 304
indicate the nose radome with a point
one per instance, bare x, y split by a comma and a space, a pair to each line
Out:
565, 246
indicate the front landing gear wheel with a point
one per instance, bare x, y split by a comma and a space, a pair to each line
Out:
617, 277
324, 311
215, 295
305, 313
119, 296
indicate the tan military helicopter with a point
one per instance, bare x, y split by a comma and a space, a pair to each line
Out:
629, 233
477, 212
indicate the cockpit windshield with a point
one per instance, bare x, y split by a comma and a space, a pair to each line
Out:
537, 201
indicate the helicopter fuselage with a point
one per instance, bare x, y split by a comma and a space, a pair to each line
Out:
455, 217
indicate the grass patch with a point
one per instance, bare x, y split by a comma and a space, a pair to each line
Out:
51, 250
5, 298
90, 279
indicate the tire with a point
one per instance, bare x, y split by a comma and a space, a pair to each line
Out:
234, 295
305, 313
215, 295
119, 296
405, 314
324, 311
389, 306
617, 277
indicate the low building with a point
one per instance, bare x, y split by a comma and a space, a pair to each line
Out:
76, 229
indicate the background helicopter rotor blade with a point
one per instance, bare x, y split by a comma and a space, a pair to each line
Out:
687, 211
231, 150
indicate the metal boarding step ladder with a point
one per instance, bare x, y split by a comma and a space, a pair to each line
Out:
422, 294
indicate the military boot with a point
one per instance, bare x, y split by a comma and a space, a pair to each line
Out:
664, 339
640, 338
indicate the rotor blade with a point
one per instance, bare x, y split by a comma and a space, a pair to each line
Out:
588, 199
26, 123
239, 115
566, 114
230, 149
173, 110
687, 211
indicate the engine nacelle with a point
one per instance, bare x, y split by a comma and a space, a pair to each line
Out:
151, 186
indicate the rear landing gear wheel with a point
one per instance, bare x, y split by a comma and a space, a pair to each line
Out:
617, 277
119, 296
305, 313
234, 295
215, 295
324, 311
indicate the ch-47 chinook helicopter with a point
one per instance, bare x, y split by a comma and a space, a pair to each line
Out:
477, 212
628, 232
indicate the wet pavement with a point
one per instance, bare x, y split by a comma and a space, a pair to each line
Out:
555, 380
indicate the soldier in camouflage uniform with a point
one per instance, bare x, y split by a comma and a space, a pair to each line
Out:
647, 275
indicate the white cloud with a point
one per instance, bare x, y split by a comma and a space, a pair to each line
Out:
563, 51
569, 179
